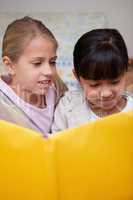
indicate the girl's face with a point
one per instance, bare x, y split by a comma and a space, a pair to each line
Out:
33, 71
104, 94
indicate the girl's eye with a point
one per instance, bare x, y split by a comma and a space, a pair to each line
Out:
115, 82
94, 85
53, 63
37, 64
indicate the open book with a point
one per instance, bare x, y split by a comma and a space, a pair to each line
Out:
91, 162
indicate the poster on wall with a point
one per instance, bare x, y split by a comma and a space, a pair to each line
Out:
67, 28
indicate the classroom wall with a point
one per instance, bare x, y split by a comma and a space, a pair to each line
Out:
118, 12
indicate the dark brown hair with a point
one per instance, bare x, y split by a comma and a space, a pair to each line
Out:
100, 54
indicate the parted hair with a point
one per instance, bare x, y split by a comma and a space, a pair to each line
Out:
100, 54
20, 32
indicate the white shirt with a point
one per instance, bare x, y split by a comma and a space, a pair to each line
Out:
73, 110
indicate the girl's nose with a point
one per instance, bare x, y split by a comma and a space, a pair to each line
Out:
47, 70
106, 92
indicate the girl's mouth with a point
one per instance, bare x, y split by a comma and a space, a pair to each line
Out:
44, 83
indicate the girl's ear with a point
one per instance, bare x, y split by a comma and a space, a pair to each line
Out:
73, 70
8, 64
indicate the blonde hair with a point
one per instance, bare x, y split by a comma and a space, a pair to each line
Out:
20, 32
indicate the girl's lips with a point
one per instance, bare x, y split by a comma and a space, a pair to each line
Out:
108, 103
44, 82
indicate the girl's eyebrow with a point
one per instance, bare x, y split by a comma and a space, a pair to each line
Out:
37, 58
54, 58
42, 58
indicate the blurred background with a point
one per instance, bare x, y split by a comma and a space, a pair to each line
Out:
69, 19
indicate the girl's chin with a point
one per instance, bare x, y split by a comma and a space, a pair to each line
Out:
41, 91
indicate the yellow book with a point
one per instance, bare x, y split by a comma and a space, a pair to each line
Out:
90, 162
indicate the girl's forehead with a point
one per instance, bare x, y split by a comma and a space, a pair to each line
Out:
39, 43
38, 39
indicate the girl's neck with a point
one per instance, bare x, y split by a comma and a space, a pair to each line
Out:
38, 100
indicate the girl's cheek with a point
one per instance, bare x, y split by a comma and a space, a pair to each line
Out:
91, 94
